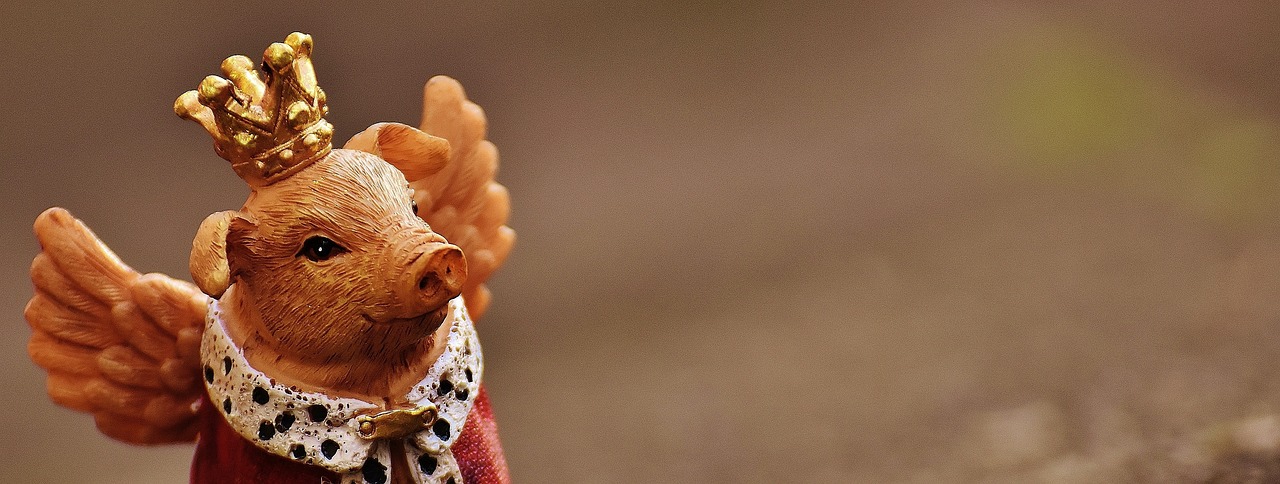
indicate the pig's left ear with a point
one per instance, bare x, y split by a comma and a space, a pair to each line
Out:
211, 266
417, 154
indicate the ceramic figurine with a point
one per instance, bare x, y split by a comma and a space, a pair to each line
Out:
329, 335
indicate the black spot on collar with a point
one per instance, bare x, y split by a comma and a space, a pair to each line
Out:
328, 448
284, 421
317, 412
260, 396
427, 463
266, 431
208, 374
374, 472
441, 428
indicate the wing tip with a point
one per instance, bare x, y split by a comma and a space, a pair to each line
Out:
53, 218
443, 85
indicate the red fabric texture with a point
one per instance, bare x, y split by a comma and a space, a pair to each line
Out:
478, 450
224, 457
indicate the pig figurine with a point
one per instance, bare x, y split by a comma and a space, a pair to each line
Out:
329, 335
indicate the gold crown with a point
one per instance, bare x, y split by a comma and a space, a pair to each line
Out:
268, 124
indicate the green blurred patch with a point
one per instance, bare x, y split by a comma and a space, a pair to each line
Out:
1235, 170
1065, 105
1063, 99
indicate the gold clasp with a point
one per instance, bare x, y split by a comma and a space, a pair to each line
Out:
396, 424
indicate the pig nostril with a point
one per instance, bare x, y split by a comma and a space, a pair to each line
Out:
443, 271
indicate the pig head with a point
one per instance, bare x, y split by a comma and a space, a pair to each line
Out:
329, 275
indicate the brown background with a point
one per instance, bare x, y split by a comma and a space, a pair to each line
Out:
758, 242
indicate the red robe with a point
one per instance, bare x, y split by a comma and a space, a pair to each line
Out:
224, 457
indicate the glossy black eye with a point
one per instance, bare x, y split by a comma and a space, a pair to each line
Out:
414, 205
320, 248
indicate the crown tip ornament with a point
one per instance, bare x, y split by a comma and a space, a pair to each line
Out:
268, 123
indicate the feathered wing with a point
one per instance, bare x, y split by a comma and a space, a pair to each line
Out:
120, 345
459, 199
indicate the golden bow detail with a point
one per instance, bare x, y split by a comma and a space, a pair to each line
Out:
396, 424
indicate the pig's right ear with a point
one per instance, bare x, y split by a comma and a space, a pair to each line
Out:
416, 153
211, 266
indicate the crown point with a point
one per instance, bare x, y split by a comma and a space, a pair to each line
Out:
236, 63
181, 105
240, 70
278, 57
300, 42
215, 90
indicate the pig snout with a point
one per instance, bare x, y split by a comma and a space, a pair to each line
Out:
432, 275
439, 274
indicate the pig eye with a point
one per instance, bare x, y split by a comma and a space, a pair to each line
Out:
320, 248
414, 205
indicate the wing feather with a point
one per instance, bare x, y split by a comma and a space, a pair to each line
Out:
128, 429
61, 356
117, 344
68, 390
126, 366
66, 324
169, 302
141, 333
189, 347
51, 283
177, 375
462, 201
81, 257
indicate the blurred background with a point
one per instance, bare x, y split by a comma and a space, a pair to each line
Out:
758, 241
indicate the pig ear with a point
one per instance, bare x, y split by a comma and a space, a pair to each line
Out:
417, 154
210, 265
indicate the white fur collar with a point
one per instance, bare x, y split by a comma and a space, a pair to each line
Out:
321, 430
